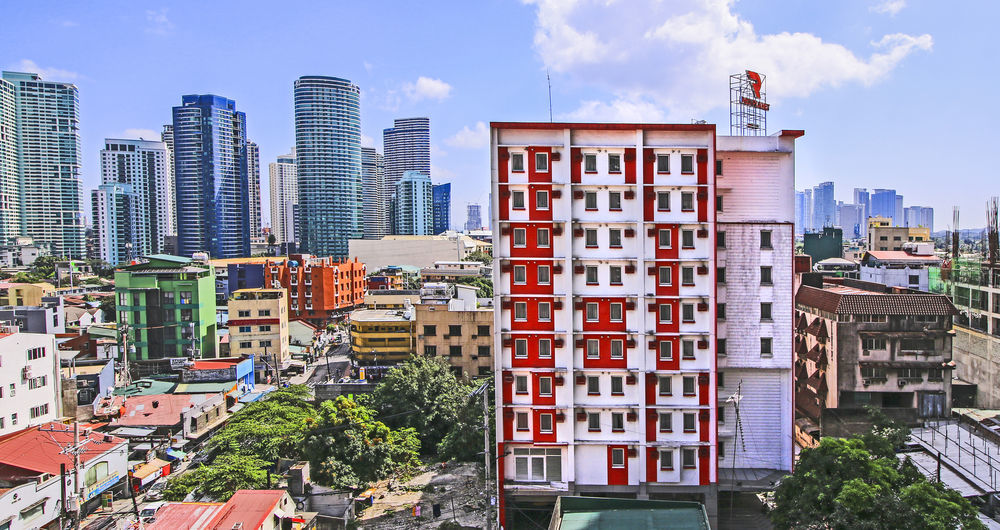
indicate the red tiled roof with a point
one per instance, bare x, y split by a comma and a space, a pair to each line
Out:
39, 448
175, 515
140, 412
247, 507
845, 301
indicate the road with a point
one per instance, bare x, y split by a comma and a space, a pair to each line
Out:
338, 361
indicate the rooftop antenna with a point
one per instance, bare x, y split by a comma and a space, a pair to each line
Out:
549, 81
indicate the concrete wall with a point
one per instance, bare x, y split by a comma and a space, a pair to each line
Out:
422, 253
978, 358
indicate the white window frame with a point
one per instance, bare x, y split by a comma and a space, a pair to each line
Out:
621, 312
593, 349
544, 348
517, 200
520, 274
617, 349
541, 200
539, 238
665, 275
545, 425
661, 198
524, 313
519, 382
544, 278
617, 457
513, 165
523, 233
596, 313
664, 234
668, 355
544, 311
670, 314
542, 167
545, 386
520, 348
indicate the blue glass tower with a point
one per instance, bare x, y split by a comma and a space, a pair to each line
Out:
442, 208
211, 174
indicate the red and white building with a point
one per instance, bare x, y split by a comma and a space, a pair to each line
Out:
643, 275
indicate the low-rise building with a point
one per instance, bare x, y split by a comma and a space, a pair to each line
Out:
245, 510
460, 331
908, 268
83, 384
188, 415
25, 294
258, 324
319, 289
378, 282
391, 298
861, 344
451, 271
883, 236
417, 251
383, 336
21, 252
30, 385
47, 317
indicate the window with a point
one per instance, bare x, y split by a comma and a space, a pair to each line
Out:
718, 167
429, 351
36, 353
521, 348
590, 200
593, 349
687, 275
590, 163
665, 276
872, 344
721, 452
687, 238
933, 374
544, 277
720, 378
617, 387
430, 331
455, 351
245, 329
765, 311
720, 311
617, 457
666, 386
13, 419
522, 421
663, 163
249, 344
593, 385
666, 313
765, 275
264, 313
541, 200
616, 312
617, 422
687, 163
687, 349
243, 313
666, 350
521, 384
591, 237
688, 386
40, 410
765, 346
265, 329
483, 330
663, 201
720, 275
542, 234
520, 237
687, 202
614, 163
538, 465
265, 344
614, 200
517, 200
616, 274
689, 422
688, 458
544, 386
666, 460
591, 271
541, 162
545, 423
914, 279
544, 311
544, 348
594, 422
592, 312
664, 239
720, 413
615, 237
520, 311
718, 203
517, 162
720, 239
765, 239
185, 297
687, 312
520, 274
617, 349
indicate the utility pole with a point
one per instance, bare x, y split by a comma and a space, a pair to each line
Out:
77, 449
62, 491
483, 390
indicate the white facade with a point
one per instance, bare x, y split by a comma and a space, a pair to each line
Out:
284, 187
29, 380
373, 194
167, 137
253, 180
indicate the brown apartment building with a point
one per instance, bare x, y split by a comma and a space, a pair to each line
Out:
459, 331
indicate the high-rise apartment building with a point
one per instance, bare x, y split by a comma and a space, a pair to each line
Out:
442, 208
167, 137
413, 205
132, 208
915, 216
407, 147
253, 181
284, 186
376, 220
824, 206
328, 150
643, 292
863, 199
210, 168
852, 220
473, 217
801, 211
883, 204
40, 123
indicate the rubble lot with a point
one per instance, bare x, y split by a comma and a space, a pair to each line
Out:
448, 484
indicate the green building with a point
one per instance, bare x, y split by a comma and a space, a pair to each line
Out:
168, 303
822, 245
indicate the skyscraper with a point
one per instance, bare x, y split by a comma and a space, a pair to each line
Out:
824, 206
863, 199
407, 147
442, 208
132, 207
376, 219
328, 150
413, 204
919, 216
473, 217
284, 186
210, 167
46, 139
897, 217
253, 181
883, 204
167, 137
801, 211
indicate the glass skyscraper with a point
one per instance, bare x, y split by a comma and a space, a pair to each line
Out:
407, 147
211, 172
374, 200
253, 179
442, 208
413, 204
40, 163
328, 149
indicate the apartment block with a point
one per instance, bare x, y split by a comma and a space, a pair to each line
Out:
318, 288
458, 331
623, 252
30, 392
383, 336
258, 324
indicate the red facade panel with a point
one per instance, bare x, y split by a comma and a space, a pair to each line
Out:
531, 323
531, 285
503, 157
532, 360
537, 435
617, 476
576, 165
630, 165
703, 198
533, 174
534, 213
531, 248
604, 323
604, 360
536, 397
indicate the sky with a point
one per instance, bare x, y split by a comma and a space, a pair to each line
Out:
891, 93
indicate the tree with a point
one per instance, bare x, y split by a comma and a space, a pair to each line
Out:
348, 448
44, 266
230, 472
268, 429
480, 256
464, 440
484, 284
179, 486
422, 393
107, 307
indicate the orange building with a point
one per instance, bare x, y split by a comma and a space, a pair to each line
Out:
319, 289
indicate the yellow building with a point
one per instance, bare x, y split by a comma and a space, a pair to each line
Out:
458, 331
258, 323
883, 236
383, 336
25, 293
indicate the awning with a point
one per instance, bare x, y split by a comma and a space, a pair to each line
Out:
142, 447
132, 432
175, 454
150, 471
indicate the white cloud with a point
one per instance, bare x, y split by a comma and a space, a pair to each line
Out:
672, 62
427, 88
368, 66
888, 7
441, 174
158, 23
476, 138
47, 73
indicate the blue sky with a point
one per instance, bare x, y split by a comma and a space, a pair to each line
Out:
891, 93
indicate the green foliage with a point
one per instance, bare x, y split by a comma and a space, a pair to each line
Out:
349, 448
481, 257
268, 429
231, 472
108, 308
464, 440
102, 269
44, 267
178, 486
859, 483
484, 284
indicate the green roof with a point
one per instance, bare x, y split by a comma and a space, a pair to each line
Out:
580, 513
146, 387
168, 258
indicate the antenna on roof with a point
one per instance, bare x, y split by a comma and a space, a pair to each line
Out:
549, 81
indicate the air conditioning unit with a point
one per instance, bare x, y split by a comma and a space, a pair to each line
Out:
26, 373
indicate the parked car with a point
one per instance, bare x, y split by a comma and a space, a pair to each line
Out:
148, 513
155, 492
